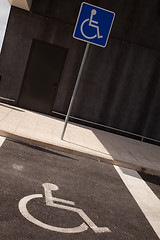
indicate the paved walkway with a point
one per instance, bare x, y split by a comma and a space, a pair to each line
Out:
45, 131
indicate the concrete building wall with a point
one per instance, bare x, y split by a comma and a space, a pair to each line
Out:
18, 42
120, 84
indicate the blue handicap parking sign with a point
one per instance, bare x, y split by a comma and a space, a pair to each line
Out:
93, 24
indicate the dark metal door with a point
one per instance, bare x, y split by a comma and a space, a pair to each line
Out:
42, 76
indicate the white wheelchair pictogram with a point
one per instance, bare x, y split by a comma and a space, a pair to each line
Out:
54, 202
91, 23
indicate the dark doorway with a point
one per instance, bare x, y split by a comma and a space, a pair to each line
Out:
42, 76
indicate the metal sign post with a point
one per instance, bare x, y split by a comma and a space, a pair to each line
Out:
93, 26
75, 89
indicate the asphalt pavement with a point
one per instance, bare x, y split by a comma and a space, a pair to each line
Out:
51, 195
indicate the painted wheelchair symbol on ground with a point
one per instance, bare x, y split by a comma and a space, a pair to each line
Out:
54, 202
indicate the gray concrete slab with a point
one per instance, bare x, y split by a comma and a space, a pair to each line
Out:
45, 131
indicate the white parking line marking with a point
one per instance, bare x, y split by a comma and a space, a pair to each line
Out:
148, 202
2, 139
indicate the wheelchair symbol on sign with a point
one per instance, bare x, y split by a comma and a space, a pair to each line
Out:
91, 23
54, 202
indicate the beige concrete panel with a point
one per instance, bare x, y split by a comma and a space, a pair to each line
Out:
24, 4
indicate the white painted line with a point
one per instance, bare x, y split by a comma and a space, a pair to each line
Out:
148, 202
2, 139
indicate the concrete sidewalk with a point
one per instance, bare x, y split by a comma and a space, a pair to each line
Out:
45, 131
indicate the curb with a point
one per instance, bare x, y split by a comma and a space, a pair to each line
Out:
66, 149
